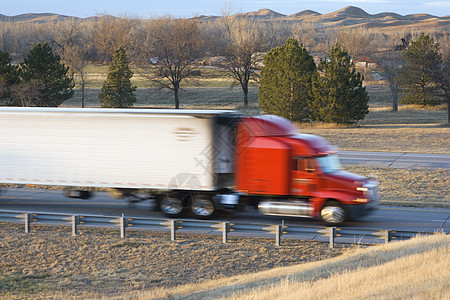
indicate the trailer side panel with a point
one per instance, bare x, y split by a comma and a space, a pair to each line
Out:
122, 150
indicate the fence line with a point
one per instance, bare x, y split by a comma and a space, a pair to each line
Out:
225, 228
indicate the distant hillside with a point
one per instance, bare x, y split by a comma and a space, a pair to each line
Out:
35, 18
349, 16
305, 13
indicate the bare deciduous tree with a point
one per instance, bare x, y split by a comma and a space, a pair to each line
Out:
443, 77
356, 41
25, 36
245, 39
71, 43
75, 57
175, 46
308, 36
110, 33
6, 37
389, 63
27, 93
276, 33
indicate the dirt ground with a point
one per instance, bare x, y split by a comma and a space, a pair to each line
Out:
49, 263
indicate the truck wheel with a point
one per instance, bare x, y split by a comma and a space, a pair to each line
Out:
332, 213
84, 195
202, 207
172, 207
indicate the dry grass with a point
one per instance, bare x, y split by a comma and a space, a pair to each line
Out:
410, 187
208, 77
51, 264
195, 97
415, 269
399, 138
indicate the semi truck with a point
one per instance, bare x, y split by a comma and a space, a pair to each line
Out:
190, 162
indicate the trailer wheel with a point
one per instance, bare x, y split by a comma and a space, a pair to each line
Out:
332, 213
202, 206
84, 195
172, 206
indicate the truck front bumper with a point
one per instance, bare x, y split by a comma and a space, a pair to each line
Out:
360, 210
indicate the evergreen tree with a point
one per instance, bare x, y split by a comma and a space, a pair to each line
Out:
286, 81
338, 94
117, 90
8, 72
423, 60
43, 66
9, 76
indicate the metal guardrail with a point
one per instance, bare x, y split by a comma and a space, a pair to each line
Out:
224, 227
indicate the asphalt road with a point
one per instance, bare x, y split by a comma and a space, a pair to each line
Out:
404, 219
395, 160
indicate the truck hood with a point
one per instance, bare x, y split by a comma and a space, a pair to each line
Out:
343, 178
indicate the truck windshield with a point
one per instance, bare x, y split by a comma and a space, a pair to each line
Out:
329, 163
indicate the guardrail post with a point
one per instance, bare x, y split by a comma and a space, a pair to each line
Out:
387, 236
278, 233
75, 223
225, 231
28, 219
123, 225
278, 230
173, 229
332, 236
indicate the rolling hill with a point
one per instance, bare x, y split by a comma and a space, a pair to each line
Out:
349, 16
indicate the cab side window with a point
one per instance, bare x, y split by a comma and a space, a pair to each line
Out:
303, 164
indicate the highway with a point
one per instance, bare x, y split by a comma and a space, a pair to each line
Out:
395, 160
394, 218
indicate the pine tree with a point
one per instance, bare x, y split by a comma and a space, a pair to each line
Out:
9, 76
117, 90
286, 81
423, 60
338, 94
43, 66
8, 72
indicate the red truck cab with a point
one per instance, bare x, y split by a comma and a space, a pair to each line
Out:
290, 174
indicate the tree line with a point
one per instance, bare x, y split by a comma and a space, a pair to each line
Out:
174, 48
293, 87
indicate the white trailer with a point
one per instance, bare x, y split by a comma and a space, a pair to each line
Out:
116, 148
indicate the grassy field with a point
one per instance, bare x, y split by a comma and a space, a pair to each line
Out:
208, 77
49, 263
415, 269
425, 188
193, 97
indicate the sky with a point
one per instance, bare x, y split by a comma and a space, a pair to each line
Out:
191, 8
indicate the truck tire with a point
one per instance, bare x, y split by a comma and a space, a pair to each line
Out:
202, 207
84, 195
332, 213
172, 206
